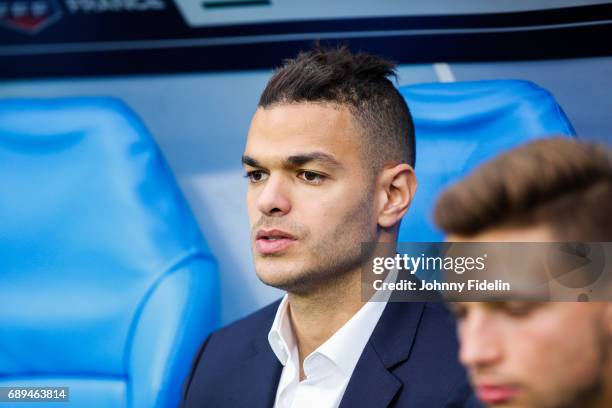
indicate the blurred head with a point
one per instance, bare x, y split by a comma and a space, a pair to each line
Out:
554, 189
529, 354
329, 158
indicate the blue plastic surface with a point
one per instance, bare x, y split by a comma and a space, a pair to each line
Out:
463, 124
106, 283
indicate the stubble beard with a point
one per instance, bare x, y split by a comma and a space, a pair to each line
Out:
591, 393
333, 259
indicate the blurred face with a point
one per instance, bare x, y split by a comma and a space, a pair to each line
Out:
530, 354
309, 197
527, 354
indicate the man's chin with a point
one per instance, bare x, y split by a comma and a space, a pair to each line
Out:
283, 283
276, 273
288, 277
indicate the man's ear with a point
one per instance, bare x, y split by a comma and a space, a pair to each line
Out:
397, 186
607, 316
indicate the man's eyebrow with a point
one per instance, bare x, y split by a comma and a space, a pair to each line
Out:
249, 161
297, 160
301, 159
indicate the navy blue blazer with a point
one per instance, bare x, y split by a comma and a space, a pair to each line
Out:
410, 360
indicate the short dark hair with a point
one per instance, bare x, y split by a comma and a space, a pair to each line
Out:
560, 183
359, 81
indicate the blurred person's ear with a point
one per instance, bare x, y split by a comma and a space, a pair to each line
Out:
607, 316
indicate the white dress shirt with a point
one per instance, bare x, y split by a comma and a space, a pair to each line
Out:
328, 369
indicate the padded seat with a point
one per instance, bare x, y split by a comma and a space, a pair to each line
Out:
106, 284
463, 124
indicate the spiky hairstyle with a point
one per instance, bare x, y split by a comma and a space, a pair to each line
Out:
359, 81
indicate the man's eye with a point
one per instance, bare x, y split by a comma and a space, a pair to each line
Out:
311, 177
256, 176
518, 309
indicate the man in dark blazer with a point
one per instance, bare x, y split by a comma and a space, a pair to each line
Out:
330, 161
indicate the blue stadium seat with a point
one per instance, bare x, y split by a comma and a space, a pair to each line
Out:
106, 284
460, 125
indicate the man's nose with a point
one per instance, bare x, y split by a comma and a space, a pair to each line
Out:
274, 198
481, 343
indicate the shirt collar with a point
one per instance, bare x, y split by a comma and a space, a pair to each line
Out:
345, 346
280, 335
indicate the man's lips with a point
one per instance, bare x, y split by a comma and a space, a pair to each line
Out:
495, 394
273, 241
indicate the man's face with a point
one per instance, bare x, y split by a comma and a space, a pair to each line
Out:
528, 354
534, 354
309, 195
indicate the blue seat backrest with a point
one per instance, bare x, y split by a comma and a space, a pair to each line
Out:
460, 125
106, 283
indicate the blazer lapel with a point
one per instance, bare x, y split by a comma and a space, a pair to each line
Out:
372, 384
258, 379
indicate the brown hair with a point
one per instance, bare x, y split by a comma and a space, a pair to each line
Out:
360, 82
558, 182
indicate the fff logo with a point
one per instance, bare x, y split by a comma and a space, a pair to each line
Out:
29, 16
